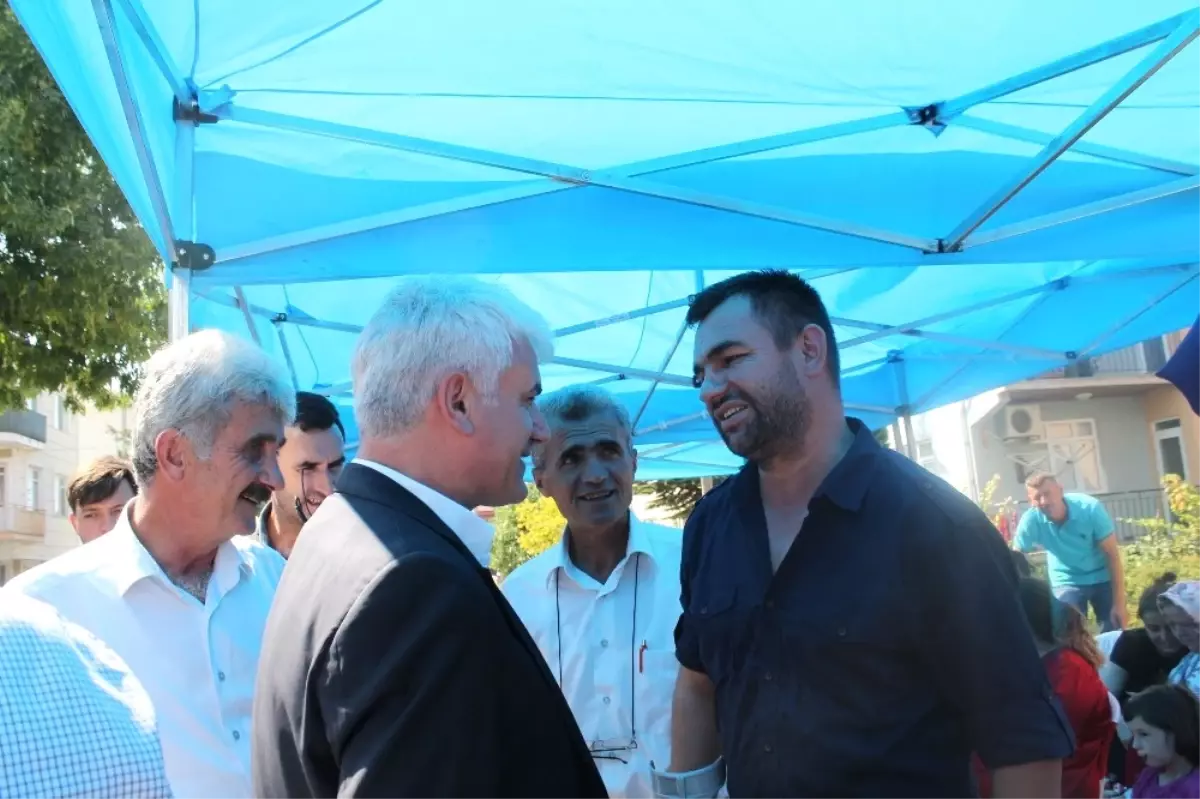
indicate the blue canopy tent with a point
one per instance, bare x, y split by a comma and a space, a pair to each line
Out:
981, 191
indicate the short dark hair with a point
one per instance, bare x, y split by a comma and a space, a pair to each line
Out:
783, 302
1172, 708
316, 412
98, 481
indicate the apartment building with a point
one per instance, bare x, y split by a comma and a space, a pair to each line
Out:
39, 451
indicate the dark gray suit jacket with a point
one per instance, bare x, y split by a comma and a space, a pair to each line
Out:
393, 666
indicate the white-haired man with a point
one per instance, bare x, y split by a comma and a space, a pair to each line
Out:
392, 665
176, 588
602, 605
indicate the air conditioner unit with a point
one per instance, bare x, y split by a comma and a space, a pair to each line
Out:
1023, 422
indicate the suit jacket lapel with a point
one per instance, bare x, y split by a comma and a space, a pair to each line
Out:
363, 481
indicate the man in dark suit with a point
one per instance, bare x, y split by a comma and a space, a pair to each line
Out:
391, 663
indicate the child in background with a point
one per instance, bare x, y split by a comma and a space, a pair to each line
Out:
1165, 722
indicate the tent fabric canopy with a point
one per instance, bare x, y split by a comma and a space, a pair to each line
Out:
981, 192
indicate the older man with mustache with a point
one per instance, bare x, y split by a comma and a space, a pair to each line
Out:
176, 588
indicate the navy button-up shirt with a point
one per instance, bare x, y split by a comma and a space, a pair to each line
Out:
888, 647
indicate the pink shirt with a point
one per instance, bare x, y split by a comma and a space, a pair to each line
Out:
1148, 787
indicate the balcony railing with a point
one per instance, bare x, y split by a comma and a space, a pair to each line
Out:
1146, 357
22, 524
29, 424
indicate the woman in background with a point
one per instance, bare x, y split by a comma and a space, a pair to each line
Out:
1180, 606
1071, 658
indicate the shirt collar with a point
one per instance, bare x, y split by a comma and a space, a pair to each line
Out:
846, 484
474, 532
127, 560
640, 541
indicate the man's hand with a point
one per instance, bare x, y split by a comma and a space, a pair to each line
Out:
1120, 617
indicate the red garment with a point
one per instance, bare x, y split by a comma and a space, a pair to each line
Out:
1085, 700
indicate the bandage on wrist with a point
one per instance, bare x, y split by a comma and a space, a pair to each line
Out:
703, 783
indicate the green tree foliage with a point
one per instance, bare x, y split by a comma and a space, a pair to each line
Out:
81, 297
524, 530
1167, 544
676, 497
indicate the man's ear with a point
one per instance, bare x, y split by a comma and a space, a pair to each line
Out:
813, 346
455, 398
633, 453
74, 523
173, 451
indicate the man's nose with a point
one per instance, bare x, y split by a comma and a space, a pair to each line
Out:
321, 482
270, 475
541, 431
594, 472
711, 388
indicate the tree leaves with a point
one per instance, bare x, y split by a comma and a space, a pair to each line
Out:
81, 296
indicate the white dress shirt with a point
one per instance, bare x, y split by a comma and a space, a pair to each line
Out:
197, 661
602, 651
74, 721
474, 532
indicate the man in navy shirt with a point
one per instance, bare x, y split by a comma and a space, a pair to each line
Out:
850, 623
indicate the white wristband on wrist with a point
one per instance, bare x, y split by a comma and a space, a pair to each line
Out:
703, 783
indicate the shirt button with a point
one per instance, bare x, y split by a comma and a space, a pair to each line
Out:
237, 736
767, 748
604, 643
841, 632
221, 676
607, 700
767, 676
704, 609
770, 603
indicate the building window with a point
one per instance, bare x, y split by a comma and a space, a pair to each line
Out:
1168, 447
33, 489
60, 413
1073, 451
60, 495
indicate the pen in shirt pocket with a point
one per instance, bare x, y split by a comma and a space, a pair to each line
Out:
642, 657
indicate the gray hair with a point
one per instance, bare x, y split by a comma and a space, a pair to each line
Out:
430, 327
192, 385
574, 404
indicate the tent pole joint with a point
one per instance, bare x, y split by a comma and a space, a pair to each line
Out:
191, 113
928, 117
193, 255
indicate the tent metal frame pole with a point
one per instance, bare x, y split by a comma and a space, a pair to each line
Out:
662, 370
148, 34
930, 335
1064, 66
521, 192
904, 411
942, 317
1115, 328
649, 310
568, 174
1180, 38
183, 217
1018, 133
628, 371
245, 307
287, 354
133, 119
1127, 200
669, 423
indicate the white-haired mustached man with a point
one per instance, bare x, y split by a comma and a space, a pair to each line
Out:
177, 588
602, 604
392, 664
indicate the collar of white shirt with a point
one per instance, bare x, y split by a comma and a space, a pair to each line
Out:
640, 541
125, 561
474, 532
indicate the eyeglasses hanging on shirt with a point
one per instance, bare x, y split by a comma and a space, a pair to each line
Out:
612, 749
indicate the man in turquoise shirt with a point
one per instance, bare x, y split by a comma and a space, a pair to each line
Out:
1082, 555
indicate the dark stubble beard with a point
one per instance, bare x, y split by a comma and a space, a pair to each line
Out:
781, 419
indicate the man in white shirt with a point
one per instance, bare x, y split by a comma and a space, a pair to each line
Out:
74, 721
177, 588
602, 604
